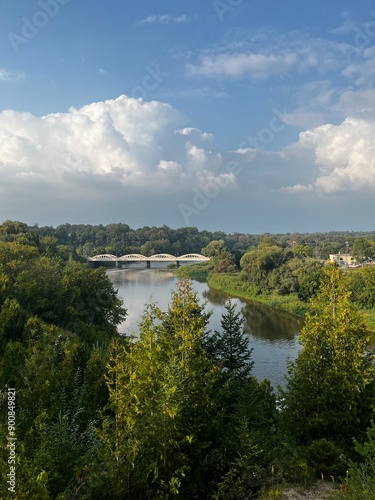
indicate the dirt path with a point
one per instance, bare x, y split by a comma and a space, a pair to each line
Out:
321, 490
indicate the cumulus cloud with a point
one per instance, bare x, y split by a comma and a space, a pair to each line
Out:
344, 154
191, 131
126, 145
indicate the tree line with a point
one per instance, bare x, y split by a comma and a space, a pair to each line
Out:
119, 239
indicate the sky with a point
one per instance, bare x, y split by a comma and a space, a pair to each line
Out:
245, 116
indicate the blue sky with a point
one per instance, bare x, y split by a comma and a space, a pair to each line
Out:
232, 115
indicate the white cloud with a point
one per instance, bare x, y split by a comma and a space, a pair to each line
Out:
124, 144
164, 19
256, 66
357, 103
191, 131
362, 69
297, 188
10, 76
345, 28
344, 154
261, 55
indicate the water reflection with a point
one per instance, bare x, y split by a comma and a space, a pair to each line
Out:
273, 334
214, 296
268, 323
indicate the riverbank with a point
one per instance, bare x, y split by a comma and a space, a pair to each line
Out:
231, 284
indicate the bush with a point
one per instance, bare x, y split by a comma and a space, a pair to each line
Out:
325, 457
299, 472
360, 480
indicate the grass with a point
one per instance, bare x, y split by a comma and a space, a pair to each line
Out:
231, 284
198, 272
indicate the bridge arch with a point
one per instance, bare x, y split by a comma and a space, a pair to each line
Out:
132, 257
162, 256
193, 256
104, 257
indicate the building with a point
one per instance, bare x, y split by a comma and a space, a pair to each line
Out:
344, 259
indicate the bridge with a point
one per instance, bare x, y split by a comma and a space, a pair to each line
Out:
137, 257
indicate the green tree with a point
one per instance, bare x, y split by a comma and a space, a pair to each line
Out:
301, 250
157, 438
221, 259
362, 285
362, 249
330, 386
12, 321
262, 267
230, 347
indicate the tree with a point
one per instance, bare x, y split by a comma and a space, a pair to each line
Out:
362, 285
221, 259
362, 249
231, 346
263, 267
161, 387
330, 386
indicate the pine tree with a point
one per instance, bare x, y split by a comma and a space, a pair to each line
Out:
230, 347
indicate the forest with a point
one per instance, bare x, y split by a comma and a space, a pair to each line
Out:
176, 412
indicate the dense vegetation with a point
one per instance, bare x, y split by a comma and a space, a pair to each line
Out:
120, 239
176, 412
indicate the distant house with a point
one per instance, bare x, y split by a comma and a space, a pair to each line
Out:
344, 259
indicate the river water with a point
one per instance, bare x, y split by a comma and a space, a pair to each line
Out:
272, 334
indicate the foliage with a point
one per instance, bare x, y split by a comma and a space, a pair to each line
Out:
56, 321
102, 416
230, 347
235, 286
222, 261
360, 479
330, 386
161, 398
198, 272
325, 457
362, 284
362, 249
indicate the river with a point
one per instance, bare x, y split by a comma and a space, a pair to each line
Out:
273, 334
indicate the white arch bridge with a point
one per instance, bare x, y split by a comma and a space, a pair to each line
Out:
137, 257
